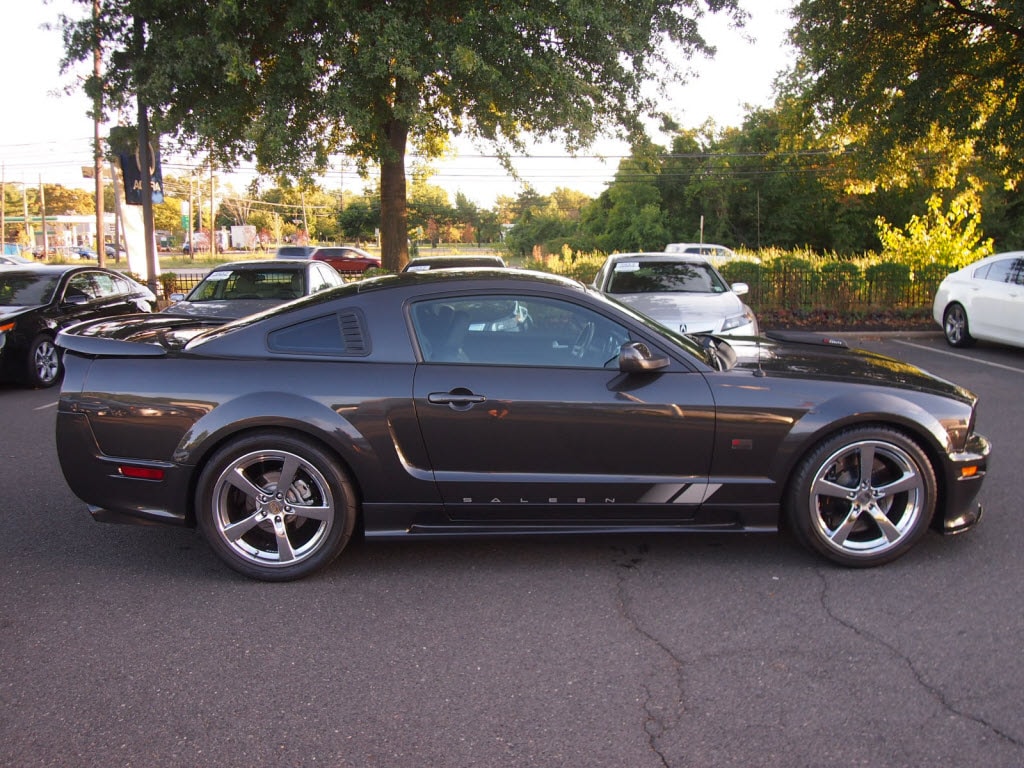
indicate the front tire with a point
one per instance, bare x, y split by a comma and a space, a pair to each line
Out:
45, 367
274, 506
955, 326
863, 497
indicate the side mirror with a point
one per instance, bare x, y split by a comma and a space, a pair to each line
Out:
176, 297
636, 357
740, 288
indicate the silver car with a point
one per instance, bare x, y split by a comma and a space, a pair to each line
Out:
243, 288
683, 292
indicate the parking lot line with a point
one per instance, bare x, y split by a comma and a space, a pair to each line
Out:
962, 357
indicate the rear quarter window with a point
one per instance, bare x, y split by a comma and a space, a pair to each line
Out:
342, 334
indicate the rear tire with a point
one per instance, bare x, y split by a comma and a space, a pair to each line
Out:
266, 531
955, 326
863, 497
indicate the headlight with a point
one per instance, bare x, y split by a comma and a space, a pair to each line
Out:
4, 330
735, 321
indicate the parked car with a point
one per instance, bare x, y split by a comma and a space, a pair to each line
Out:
82, 252
427, 263
12, 254
112, 252
345, 259
716, 254
984, 300
6, 259
683, 292
391, 406
294, 252
242, 288
38, 300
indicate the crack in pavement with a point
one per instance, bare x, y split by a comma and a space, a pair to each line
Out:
932, 690
657, 721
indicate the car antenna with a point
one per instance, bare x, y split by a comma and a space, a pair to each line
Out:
759, 372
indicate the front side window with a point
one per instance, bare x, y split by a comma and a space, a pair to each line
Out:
515, 330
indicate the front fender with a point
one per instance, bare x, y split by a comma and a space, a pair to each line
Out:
858, 408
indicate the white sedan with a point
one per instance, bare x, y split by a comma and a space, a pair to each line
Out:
683, 292
984, 300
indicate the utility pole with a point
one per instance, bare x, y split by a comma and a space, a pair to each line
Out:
213, 214
101, 251
144, 168
42, 217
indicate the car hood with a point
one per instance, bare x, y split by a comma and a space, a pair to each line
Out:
823, 358
226, 310
699, 312
8, 312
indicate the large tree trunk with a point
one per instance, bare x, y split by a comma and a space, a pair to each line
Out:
394, 232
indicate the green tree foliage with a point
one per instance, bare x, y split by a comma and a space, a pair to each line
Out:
543, 223
292, 83
361, 218
943, 240
908, 78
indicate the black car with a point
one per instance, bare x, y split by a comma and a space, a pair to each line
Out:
37, 301
405, 406
241, 288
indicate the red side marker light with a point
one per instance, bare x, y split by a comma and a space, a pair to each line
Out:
141, 473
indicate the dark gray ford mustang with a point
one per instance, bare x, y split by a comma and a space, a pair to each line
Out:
495, 402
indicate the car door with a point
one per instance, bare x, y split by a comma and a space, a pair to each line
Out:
526, 417
997, 302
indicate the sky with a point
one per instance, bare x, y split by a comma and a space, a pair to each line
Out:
45, 133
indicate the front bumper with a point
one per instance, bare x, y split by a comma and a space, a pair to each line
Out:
965, 472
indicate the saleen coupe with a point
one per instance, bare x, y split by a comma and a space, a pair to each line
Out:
473, 402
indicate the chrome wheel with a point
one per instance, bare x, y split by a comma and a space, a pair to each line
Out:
865, 497
278, 512
44, 362
955, 326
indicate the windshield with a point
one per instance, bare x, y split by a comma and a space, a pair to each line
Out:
23, 289
681, 340
269, 283
665, 277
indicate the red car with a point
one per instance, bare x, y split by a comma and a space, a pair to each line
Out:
346, 259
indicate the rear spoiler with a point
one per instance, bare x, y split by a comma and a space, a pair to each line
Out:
139, 335
97, 346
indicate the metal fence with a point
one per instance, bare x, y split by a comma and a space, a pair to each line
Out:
834, 285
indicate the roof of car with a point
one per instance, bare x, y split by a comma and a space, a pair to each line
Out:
659, 256
263, 264
452, 262
48, 269
474, 274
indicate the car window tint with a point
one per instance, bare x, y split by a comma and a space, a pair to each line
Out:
1016, 274
515, 330
81, 285
342, 334
663, 277
106, 286
1004, 271
18, 289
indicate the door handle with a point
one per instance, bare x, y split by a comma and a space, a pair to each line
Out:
457, 398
